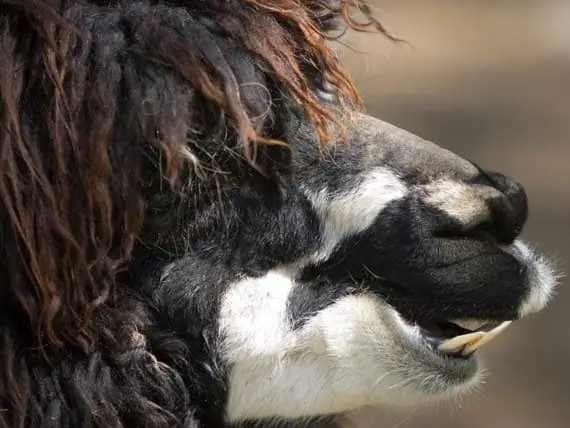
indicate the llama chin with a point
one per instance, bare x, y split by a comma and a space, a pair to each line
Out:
202, 228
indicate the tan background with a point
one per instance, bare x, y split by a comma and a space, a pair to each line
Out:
489, 80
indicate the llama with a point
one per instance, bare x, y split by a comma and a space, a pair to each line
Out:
202, 228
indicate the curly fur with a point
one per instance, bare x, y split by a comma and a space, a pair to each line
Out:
164, 180
105, 108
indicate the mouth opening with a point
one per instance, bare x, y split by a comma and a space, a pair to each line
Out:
458, 338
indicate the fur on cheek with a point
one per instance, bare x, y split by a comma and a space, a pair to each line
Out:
344, 357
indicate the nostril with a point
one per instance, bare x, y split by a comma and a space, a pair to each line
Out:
481, 231
507, 220
490, 207
509, 208
501, 226
519, 202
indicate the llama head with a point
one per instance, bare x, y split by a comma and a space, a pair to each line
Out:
321, 257
418, 265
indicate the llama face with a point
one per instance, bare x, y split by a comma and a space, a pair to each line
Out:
418, 257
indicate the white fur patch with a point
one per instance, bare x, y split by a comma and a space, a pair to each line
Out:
351, 212
353, 353
280, 372
542, 277
253, 317
466, 203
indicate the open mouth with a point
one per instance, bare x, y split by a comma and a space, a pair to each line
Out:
459, 338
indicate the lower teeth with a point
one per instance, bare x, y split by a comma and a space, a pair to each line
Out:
466, 344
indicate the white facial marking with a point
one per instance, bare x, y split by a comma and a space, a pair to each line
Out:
353, 211
355, 352
253, 318
466, 203
542, 277
280, 372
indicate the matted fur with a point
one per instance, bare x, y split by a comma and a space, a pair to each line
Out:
103, 105
179, 250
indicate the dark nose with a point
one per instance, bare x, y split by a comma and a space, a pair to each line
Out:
509, 211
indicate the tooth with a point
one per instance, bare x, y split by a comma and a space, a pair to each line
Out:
457, 343
487, 337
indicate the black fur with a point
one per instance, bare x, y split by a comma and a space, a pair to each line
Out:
155, 358
151, 364
425, 263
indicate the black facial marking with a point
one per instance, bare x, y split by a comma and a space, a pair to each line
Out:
185, 302
312, 295
422, 262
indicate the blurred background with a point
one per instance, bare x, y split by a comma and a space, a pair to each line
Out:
489, 80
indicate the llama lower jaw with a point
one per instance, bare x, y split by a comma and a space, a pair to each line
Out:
445, 351
458, 338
